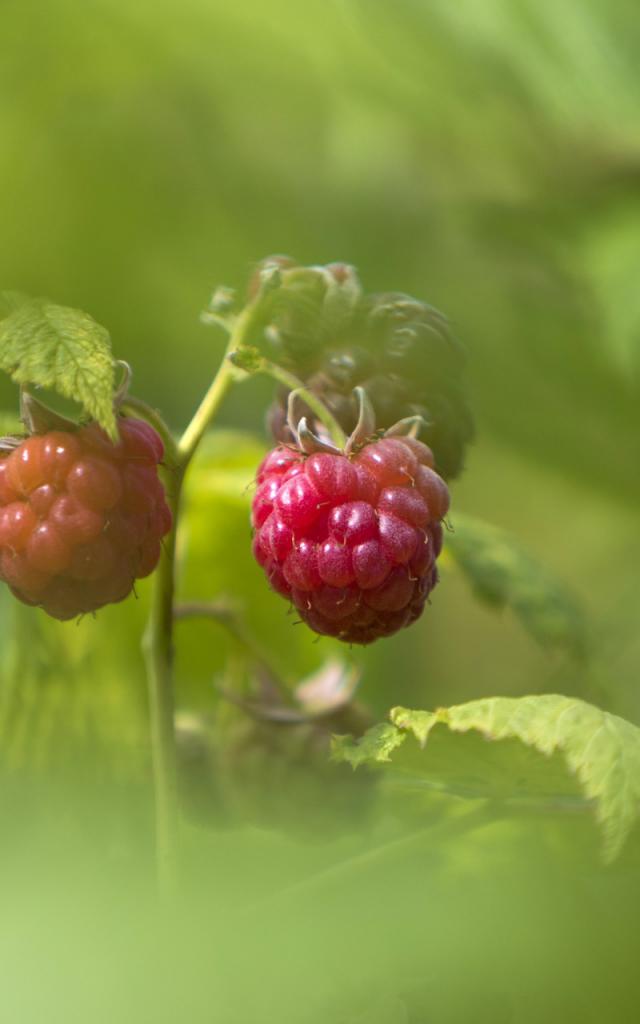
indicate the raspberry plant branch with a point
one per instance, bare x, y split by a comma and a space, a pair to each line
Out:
248, 321
158, 641
157, 646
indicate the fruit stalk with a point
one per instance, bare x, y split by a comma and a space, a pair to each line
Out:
317, 406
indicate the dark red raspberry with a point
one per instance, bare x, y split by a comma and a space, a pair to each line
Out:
351, 540
81, 517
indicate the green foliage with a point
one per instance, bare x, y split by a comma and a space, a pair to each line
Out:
610, 261
10, 302
501, 186
72, 696
377, 744
499, 224
50, 346
504, 575
71, 692
601, 750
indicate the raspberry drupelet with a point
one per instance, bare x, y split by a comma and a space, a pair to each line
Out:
81, 517
351, 540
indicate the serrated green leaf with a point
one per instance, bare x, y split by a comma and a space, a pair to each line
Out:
376, 746
464, 766
420, 723
62, 349
504, 575
601, 752
600, 749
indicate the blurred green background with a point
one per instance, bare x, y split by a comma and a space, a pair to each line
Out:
482, 156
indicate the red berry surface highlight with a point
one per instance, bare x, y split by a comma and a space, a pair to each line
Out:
81, 518
351, 541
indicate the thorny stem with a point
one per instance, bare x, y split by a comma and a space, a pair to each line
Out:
158, 638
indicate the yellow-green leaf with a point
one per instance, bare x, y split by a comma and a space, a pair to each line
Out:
519, 748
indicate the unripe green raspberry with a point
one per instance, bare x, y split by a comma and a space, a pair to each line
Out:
399, 349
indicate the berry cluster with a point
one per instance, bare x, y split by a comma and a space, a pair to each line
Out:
335, 338
404, 374
352, 541
80, 517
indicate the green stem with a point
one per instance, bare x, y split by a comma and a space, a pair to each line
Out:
158, 651
316, 404
247, 322
158, 638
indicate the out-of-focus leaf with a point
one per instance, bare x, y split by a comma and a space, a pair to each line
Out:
377, 744
10, 301
611, 259
504, 575
600, 751
64, 349
72, 694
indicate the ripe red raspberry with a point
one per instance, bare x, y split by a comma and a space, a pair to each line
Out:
81, 517
351, 540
